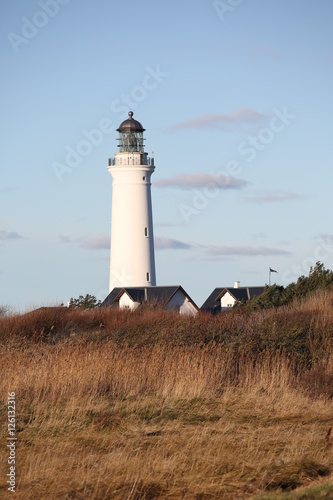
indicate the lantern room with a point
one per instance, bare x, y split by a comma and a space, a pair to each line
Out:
131, 136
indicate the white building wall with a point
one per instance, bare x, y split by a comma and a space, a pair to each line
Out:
227, 301
180, 302
125, 302
132, 261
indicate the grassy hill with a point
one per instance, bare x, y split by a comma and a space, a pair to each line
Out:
113, 404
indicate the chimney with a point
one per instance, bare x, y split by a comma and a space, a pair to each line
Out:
237, 284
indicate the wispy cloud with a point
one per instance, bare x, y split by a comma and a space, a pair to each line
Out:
272, 197
10, 235
98, 242
102, 241
216, 251
65, 239
170, 244
202, 179
237, 117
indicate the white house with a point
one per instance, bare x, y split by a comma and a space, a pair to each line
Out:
171, 298
223, 299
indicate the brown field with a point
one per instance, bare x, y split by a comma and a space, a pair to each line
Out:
150, 405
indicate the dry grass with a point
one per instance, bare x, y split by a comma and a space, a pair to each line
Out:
150, 405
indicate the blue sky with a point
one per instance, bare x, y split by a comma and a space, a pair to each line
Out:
236, 99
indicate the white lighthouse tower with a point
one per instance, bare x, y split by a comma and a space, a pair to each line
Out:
132, 262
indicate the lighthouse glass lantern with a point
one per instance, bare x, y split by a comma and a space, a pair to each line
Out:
131, 136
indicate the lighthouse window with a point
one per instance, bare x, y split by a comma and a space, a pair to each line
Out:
148, 276
146, 231
143, 178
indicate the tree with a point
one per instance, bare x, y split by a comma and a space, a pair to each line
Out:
87, 302
5, 310
274, 296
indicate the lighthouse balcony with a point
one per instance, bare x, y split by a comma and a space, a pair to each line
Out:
131, 159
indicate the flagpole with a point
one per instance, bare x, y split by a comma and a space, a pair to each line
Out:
270, 273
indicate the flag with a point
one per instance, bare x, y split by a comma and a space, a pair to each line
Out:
272, 270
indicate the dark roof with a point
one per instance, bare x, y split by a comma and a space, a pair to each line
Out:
58, 309
136, 294
109, 300
238, 293
211, 303
160, 294
255, 291
130, 125
243, 292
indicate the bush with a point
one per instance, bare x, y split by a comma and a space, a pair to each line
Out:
275, 296
87, 302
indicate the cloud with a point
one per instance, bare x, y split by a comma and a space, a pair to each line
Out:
273, 197
65, 239
170, 244
202, 179
97, 243
217, 251
237, 117
102, 242
10, 235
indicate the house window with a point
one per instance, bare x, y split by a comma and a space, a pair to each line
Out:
148, 276
146, 231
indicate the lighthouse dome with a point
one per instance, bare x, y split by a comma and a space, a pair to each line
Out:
130, 125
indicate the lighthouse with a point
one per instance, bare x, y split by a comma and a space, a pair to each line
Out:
132, 261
